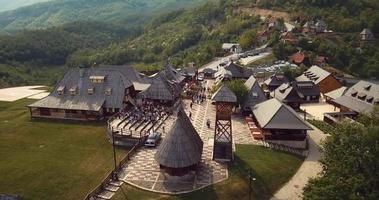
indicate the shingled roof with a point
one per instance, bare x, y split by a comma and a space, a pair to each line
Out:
109, 93
272, 114
315, 74
161, 88
276, 80
236, 71
224, 94
361, 97
286, 93
255, 94
182, 147
336, 93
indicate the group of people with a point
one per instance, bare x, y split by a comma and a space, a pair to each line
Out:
148, 111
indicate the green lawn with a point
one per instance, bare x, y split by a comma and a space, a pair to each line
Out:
46, 159
271, 169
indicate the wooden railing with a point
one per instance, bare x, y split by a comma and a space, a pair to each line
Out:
113, 174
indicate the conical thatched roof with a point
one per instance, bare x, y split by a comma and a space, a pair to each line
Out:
182, 147
224, 94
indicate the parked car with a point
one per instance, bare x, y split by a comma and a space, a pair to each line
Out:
153, 139
223, 63
200, 77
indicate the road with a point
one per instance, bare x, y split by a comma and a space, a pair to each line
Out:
251, 59
310, 168
214, 64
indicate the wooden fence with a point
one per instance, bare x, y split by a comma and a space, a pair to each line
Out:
113, 174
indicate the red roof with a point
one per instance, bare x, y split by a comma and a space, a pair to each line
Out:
297, 57
272, 19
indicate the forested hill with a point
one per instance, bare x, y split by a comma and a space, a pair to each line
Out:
58, 12
13, 4
183, 35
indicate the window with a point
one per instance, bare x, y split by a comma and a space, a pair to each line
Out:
108, 91
354, 93
60, 90
91, 90
370, 99
255, 95
362, 96
74, 90
97, 79
367, 87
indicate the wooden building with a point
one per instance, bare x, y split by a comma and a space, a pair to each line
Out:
297, 93
254, 96
180, 151
90, 93
165, 86
360, 98
324, 79
233, 71
275, 81
366, 35
277, 121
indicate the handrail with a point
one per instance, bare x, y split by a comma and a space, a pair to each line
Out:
112, 174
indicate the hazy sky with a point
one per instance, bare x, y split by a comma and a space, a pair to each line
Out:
13, 4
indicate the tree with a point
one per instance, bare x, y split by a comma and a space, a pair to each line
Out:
350, 163
239, 89
248, 39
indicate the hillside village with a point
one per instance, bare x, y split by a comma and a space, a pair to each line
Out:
258, 117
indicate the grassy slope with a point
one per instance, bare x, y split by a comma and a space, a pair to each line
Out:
50, 160
272, 169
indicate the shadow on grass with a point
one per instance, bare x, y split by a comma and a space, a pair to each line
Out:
239, 168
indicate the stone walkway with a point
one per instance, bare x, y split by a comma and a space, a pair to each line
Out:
143, 171
309, 169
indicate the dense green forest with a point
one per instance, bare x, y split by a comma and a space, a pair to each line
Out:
59, 12
185, 35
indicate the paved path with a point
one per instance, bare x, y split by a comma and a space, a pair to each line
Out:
143, 171
309, 169
16, 93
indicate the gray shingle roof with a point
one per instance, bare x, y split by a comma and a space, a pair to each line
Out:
369, 93
255, 94
272, 114
161, 88
224, 94
336, 93
117, 78
182, 147
238, 71
315, 74
276, 80
286, 93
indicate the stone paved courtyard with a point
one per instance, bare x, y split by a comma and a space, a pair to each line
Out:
143, 171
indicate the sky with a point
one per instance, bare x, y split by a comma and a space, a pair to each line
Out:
13, 4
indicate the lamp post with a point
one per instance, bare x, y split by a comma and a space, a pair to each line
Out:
251, 179
114, 157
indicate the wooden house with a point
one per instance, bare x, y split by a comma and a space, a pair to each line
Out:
360, 98
324, 79
90, 93
366, 35
275, 81
277, 121
180, 151
254, 96
297, 93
